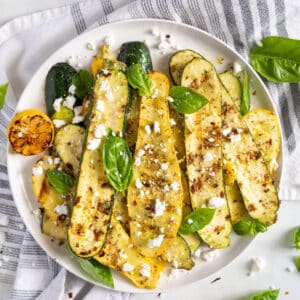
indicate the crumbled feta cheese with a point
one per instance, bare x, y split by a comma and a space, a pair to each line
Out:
77, 119
189, 221
69, 102
141, 152
100, 131
216, 202
91, 46
212, 174
37, 171
71, 60
155, 94
274, 164
208, 157
175, 186
108, 40
50, 160
4, 219
56, 160
170, 99
239, 130
257, 264
155, 31
93, 144
119, 218
235, 138
127, 267
166, 188
259, 43
156, 127
148, 129
203, 205
122, 254
100, 105
175, 264
57, 104
291, 269
211, 139
20, 134
72, 89
137, 161
61, 209
59, 123
209, 254
160, 207
145, 271
178, 211
237, 68
175, 273
172, 122
138, 233
226, 131
37, 212
164, 166
161, 230
197, 253
138, 183
77, 110
105, 71
156, 242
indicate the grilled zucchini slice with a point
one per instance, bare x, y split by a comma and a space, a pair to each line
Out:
178, 61
233, 86
179, 254
252, 175
203, 151
118, 253
55, 229
155, 195
94, 196
68, 143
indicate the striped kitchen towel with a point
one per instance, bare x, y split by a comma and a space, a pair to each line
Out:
25, 270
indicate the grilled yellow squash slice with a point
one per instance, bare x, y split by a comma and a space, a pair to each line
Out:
55, 229
155, 195
251, 173
94, 196
203, 151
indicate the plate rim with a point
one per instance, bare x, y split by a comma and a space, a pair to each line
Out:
208, 35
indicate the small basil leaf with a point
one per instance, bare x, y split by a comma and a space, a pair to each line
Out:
83, 82
260, 227
117, 160
297, 238
3, 91
245, 100
297, 263
242, 227
93, 268
278, 59
185, 100
138, 79
266, 295
61, 181
196, 220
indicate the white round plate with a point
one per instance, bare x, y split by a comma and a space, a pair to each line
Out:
20, 167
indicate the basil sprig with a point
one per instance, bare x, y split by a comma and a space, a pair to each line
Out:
297, 238
138, 79
278, 59
265, 295
297, 263
185, 100
245, 100
117, 160
249, 227
196, 220
83, 82
3, 91
93, 269
61, 181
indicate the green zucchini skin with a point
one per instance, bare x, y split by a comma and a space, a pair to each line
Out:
134, 53
58, 81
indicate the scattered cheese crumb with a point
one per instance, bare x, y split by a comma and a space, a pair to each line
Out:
161, 229
93, 144
50, 160
148, 129
166, 188
91, 46
226, 131
4, 219
20, 134
164, 166
57, 104
189, 221
137, 161
119, 218
209, 254
100, 131
77, 110
100, 105
61, 209
291, 269
108, 40
72, 89
172, 122
156, 242
208, 157
259, 43
37, 171
257, 265
37, 212
175, 186
127, 267
170, 99
123, 254
216, 202
145, 271
197, 253
274, 164
160, 207
77, 119
138, 183
156, 127
235, 138
59, 123
56, 160
177, 272
237, 68
211, 139
69, 102
155, 31
155, 94
138, 233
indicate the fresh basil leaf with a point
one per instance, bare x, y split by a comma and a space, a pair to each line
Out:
185, 100
3, 91
249, 227
196, 220
297, 263
117, 160
245, 100
83, 82
93, 268
61, 181
138, 79
297, 238
265, 295
278, 59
